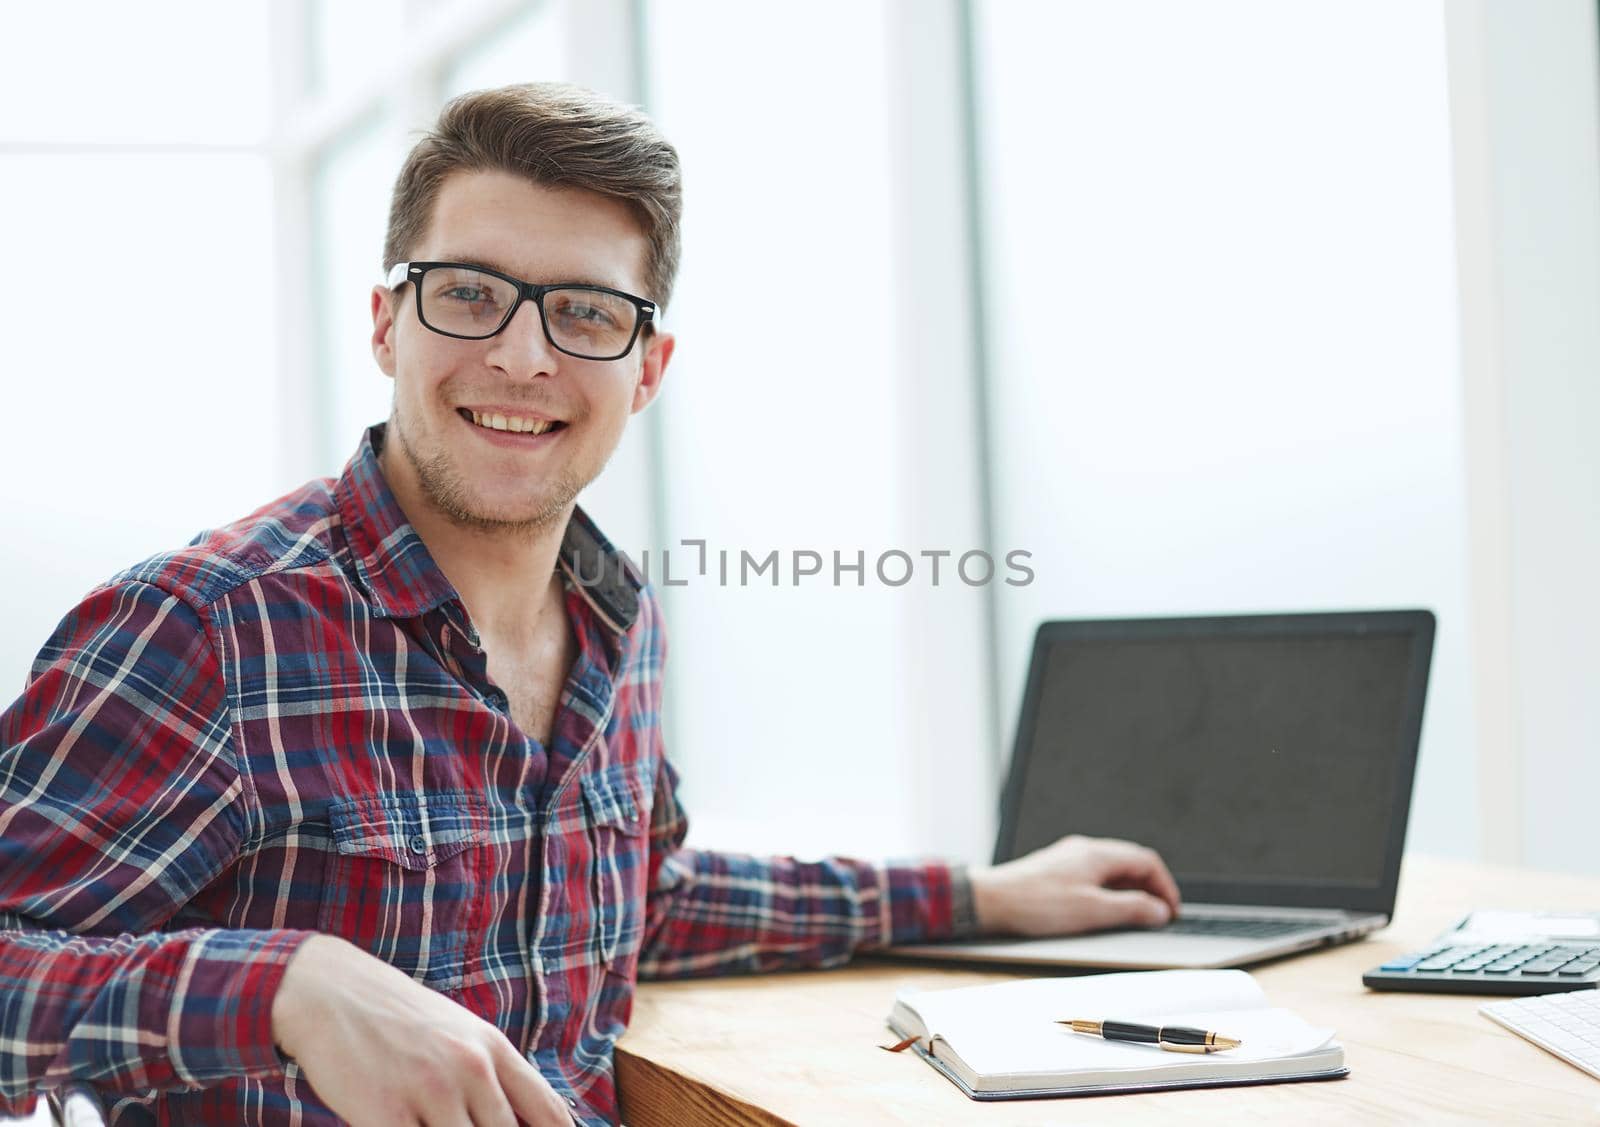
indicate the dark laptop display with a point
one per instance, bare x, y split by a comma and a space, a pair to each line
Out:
1269, 758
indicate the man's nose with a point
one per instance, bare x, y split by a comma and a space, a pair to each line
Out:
521, 348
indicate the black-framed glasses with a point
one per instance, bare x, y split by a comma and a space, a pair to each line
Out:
469, 302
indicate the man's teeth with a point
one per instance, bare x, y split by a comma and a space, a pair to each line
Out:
514, 424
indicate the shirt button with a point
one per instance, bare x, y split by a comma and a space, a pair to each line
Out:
571, 1102
419, 844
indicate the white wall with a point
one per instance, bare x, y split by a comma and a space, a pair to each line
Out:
1524, 94
139, 346
784, 425
1224, 326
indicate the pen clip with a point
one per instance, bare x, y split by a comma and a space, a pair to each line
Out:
1172, 1047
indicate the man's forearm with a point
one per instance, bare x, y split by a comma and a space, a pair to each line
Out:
180, 1009
719, 913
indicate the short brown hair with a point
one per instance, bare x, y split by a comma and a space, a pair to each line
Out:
557, 135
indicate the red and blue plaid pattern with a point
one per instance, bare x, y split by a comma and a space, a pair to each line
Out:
288, 727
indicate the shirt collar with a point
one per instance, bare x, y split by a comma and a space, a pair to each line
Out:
603, 576
399, 574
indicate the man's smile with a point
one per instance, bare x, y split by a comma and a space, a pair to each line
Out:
519, 431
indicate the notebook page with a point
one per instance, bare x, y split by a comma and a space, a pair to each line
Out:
1268, 1034
1131, 996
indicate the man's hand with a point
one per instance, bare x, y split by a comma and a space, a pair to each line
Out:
1075, 884
381, 1049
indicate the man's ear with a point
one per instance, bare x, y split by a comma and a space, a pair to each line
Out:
384, 301
653, 368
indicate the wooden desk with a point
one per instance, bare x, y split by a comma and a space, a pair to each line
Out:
798, 1048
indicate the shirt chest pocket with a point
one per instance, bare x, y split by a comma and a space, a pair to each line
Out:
617, 824
405, 880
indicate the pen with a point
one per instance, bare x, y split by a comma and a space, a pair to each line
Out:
1172, 1038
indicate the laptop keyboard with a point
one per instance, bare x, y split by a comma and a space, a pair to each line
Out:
1230, 928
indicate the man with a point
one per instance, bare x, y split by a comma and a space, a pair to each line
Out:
358, 807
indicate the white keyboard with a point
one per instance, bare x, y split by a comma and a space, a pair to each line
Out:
1567, 1025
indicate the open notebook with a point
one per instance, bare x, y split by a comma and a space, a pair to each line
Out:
1002, 1041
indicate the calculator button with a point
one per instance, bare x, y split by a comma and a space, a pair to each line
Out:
1405, 962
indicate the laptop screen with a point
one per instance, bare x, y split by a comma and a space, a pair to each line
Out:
1268, 759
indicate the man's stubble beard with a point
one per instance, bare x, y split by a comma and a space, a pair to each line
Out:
443, 488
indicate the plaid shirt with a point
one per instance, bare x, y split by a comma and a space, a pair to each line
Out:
288, 727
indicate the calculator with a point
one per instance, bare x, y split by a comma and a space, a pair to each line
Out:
1496, 952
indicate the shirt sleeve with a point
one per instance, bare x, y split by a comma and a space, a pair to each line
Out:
119, 800
716, 913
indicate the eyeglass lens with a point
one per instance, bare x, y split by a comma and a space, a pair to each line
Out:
470, 303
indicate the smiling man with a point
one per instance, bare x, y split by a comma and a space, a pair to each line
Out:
358, 808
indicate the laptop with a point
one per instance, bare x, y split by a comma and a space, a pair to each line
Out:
1268, 758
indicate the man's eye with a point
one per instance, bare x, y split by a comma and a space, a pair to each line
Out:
473, 294
587, 314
